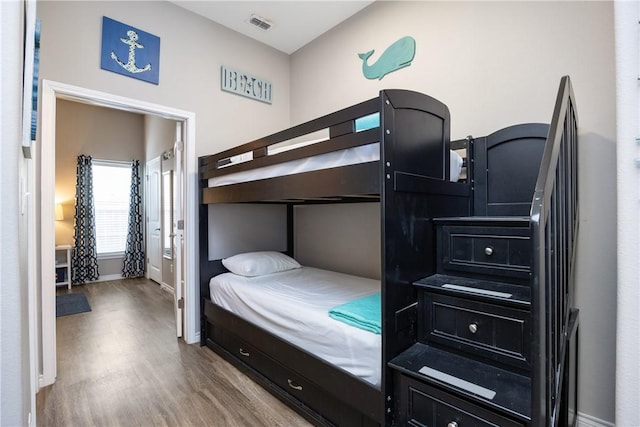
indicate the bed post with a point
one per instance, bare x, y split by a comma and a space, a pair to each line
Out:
203, 252
415, 188
290, 228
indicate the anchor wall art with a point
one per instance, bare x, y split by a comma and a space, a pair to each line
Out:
397, 56
129, 51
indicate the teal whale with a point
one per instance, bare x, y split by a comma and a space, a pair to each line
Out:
398, 55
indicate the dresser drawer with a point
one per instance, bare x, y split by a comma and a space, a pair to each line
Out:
493, 251
424, 405
492, 331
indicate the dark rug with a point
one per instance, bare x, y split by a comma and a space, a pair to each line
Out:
67, 304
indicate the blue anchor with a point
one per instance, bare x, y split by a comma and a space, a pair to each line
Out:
131, 66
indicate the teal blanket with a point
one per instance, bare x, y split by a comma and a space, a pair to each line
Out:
363, 313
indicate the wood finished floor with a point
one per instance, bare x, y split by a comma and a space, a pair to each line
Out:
121, 365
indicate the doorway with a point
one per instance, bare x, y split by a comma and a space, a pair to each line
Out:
51, 91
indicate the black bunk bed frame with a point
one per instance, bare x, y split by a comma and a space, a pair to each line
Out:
411, 183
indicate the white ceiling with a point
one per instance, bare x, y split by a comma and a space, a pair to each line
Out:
294, 23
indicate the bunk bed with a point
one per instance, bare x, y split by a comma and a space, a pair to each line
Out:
395, 150
409, 176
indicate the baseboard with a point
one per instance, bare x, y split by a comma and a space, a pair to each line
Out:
109, 277
167, 288
104, 278
585, 420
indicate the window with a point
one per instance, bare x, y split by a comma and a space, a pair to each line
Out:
111, 193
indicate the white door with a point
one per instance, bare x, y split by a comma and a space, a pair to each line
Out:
154, 240
178, 227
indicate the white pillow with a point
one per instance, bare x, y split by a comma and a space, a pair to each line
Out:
258, 263
456, 163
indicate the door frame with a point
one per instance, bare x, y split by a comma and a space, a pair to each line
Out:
177, 226
51, 91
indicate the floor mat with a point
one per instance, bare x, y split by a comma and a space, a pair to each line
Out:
67, 304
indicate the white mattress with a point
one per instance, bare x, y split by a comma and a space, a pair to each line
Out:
294, 306
334, 159
349, 156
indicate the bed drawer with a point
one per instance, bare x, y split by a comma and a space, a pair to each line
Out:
274, 371
240, 349
492, 331
493, 251
290, 382
423, 405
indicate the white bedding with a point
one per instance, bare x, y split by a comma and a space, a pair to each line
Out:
334, 159
349, 156
294, 305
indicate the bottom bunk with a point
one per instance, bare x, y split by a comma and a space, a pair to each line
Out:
276, 329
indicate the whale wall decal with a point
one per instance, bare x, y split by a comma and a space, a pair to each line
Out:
397, 56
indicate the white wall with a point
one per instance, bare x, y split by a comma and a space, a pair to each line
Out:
159, 136
15, 389
495, 64
236, 228
628, 111
349, 243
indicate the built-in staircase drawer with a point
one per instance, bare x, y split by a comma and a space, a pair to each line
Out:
423, 405
487, 251
492, 331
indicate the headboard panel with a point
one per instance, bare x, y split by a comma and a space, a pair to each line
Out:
506, 167
417, 134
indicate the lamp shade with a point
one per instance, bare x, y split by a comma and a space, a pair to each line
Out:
59, 214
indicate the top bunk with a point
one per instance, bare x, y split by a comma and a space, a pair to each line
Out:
344, 156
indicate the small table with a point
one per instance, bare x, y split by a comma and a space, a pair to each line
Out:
63, 265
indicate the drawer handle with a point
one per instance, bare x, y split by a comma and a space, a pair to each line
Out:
293, 386
452, 424
473, 328
244, 353
488, 251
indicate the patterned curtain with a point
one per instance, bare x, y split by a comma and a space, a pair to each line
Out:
134, 253
84, 261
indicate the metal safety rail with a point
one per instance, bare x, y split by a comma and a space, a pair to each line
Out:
554, 227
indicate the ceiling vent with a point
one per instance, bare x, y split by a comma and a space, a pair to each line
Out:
259, 22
